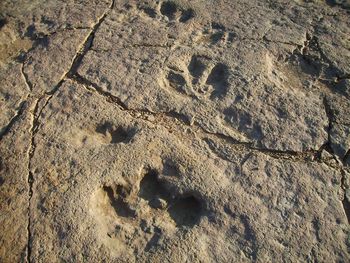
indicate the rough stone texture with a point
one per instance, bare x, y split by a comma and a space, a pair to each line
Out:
14, 161
175, 131
48, 64
214, 80
13, 92
340, 125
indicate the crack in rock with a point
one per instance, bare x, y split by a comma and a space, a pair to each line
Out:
168, 176
310, 155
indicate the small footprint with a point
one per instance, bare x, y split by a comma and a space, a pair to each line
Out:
102, 134
216, 34
183, 210
153, 191
151, 12
243, 232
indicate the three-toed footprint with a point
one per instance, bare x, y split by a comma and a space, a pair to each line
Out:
200, 77
168, 10
138, 214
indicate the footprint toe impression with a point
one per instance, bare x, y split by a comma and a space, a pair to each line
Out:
218, 79
168, 9
117, 197
177, 81
174, 12
197, 67
185, 211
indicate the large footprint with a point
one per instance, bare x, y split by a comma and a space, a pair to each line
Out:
138, 215
202, 77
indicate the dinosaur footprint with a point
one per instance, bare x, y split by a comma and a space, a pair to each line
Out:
176, 13
215, 34
201, 77
169, 10
139, 214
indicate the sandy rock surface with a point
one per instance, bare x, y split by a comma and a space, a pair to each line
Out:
175, 131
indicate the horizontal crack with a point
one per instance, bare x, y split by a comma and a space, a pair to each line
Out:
309, 155
101, 50
265, 39
184, 44
114, 99
151, 45
87, 83
306, 156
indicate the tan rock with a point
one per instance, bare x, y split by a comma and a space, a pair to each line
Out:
174, 131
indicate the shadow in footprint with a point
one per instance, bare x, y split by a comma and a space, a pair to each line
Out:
116, 196
186, 211
2, 22
186, 15
343, 4
151, 189
172, 11
177, 81
216, 37
250, 240
2, 181
217, 26
168, 9
154, 240
149, 11
218, 79
170, 168
197, 67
